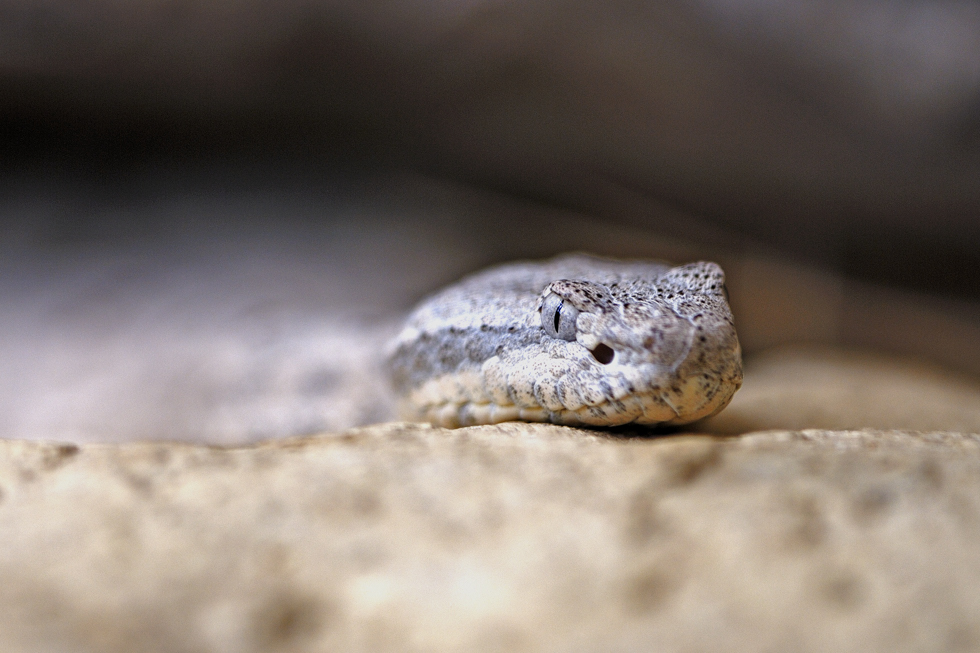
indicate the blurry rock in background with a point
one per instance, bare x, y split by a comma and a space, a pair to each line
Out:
214, 212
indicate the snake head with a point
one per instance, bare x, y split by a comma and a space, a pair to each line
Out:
572, 340
676, 327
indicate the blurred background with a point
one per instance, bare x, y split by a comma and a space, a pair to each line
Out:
214, 213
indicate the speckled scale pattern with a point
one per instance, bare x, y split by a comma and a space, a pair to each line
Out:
476, 352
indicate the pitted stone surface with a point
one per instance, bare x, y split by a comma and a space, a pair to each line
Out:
516, 537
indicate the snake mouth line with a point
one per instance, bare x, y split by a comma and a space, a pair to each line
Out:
463, 399
642, 410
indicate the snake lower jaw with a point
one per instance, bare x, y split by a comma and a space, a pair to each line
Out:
640, 410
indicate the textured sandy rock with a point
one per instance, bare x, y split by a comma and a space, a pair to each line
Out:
511, 538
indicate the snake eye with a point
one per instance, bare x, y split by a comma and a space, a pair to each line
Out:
558, 317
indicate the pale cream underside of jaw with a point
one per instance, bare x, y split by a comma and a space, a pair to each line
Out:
461, 399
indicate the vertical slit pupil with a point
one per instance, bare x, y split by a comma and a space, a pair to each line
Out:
558, 315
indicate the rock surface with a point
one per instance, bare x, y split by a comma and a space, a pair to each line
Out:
517, 537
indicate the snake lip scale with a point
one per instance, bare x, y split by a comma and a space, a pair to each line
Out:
575, 340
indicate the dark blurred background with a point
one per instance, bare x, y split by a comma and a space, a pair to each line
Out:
213, 212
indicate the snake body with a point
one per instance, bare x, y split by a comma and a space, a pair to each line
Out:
574, 340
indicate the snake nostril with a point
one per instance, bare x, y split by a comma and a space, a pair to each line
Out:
603, 353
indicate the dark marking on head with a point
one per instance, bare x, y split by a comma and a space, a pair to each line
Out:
603, 353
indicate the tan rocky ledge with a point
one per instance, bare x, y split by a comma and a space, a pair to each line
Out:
518, 537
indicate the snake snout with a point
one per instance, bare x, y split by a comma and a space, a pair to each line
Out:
668, 342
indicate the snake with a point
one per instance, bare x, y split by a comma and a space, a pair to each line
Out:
577, 340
